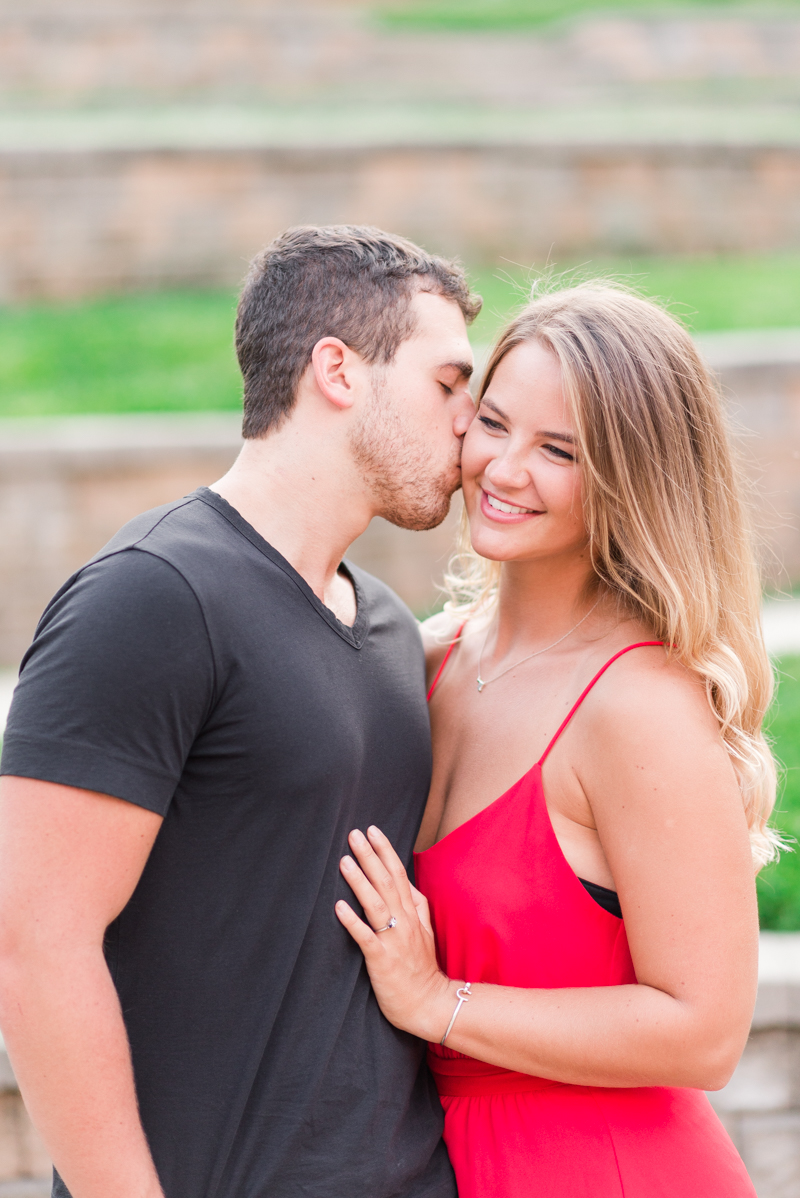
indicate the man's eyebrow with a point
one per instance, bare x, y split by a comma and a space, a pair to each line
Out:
463, 368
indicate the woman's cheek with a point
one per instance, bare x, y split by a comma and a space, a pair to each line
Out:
473, 461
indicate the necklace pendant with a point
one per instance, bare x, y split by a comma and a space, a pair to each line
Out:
481, 684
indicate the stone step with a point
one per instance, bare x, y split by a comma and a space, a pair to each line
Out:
57, 52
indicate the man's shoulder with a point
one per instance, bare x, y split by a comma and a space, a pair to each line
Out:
198, 536
158, 556
163, 529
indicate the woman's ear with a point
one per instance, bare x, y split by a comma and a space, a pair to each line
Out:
333, 362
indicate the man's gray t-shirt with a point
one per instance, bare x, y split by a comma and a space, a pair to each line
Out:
190, 670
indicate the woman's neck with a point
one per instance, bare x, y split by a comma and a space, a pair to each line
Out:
539, 601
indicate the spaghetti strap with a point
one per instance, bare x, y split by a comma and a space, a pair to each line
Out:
453, 644
584, 693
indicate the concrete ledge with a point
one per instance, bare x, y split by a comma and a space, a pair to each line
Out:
777, 1006
381, 125
134, 431
736, 348
76, 444
31, 1187
778, 1003
8, 1082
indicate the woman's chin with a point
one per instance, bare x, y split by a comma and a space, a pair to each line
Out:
495, 546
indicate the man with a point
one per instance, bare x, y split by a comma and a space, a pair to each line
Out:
207, 709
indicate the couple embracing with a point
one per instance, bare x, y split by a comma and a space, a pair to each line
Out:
217, 979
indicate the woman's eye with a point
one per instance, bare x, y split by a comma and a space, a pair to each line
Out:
492, 424
447, 390
560, 453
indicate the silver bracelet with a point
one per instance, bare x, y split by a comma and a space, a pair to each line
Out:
463, 994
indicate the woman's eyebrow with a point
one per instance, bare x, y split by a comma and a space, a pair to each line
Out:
568, 437
487, 403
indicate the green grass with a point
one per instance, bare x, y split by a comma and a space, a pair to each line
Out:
169, 351
779, 884
706, 293
460, 15
173, 351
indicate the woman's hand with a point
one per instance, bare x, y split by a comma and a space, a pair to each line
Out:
412, 991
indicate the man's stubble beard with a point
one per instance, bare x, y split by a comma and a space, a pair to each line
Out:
400, 469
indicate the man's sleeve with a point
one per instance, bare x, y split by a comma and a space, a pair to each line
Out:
116, 685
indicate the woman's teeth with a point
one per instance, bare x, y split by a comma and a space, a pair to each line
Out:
506, 507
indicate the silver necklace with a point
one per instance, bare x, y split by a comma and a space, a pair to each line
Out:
482, 682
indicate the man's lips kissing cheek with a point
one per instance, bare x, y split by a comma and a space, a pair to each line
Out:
500, 511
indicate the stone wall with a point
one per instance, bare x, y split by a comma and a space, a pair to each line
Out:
671, 134
760, 1106
80, 221
67, 485
24, 1164
760, 377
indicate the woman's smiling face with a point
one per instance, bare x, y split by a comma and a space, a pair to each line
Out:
519, 454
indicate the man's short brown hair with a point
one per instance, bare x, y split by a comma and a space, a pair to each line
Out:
347, 281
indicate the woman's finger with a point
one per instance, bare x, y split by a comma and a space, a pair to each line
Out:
363, 935
376, 908
388, 855
423, 909
383, 866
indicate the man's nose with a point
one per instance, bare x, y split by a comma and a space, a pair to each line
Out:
464, 416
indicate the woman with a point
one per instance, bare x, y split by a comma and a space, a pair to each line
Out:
596, 924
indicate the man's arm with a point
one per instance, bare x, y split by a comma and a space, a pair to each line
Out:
69, 861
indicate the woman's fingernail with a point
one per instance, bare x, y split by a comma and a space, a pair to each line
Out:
348, 863
357, 835
373, 831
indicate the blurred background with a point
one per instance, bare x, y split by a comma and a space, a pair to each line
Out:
148, 148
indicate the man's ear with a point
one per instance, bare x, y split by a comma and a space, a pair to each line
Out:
333, 364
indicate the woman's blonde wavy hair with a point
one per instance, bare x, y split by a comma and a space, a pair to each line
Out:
663, 494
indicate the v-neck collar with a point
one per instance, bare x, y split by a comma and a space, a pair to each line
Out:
356, 634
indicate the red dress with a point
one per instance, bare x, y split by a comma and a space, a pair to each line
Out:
508, 909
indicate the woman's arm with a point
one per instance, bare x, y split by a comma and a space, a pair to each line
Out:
670, 818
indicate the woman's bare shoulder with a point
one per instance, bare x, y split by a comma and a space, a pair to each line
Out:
438, 633
648, 698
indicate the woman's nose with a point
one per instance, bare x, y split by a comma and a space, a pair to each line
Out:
507, 470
